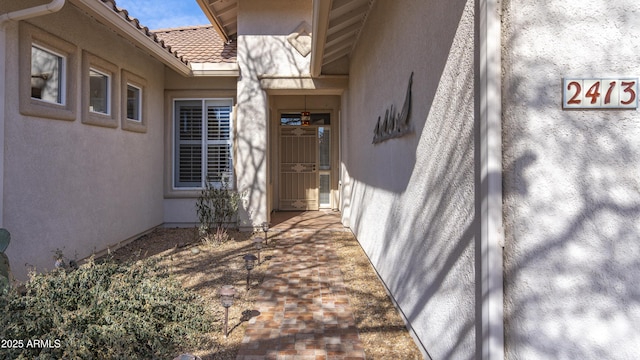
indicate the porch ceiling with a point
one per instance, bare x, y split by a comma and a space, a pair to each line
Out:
336, 28
223, 14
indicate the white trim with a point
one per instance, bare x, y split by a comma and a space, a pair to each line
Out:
492, 236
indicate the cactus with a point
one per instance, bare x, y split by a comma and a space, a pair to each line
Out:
5, 269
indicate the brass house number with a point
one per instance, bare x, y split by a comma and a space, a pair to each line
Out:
619, 93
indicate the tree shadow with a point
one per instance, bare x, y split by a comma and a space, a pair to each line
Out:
570, 196
421, 235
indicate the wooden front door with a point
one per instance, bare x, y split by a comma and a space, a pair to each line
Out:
298, 168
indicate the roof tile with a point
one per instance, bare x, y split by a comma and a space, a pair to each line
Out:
145, 30
198, 44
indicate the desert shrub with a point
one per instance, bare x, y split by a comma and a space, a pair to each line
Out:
217, 206
216, 237
103, 310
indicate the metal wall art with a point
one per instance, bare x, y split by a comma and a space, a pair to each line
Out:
394, 125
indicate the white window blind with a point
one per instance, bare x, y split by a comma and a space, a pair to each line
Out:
203, 142
218, 142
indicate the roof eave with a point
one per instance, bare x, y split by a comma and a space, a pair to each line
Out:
215, 69
208, 11
130, 32
321, 10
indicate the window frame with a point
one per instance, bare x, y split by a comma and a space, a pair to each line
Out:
106, 77
31, 36
130, 79
318, 118
62, 71
137, 109
90, 63
204, 166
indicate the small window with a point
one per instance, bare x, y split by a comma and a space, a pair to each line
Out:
99, 84
47, 75
325, 190
295, 119
100, 106
291, 119
324, 147
134, 103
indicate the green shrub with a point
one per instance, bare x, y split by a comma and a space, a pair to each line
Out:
103, 311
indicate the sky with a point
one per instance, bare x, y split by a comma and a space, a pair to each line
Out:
164, 14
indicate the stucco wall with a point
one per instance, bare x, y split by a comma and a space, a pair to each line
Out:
411, 201
175, 81
262, 50
571, 184
73, 186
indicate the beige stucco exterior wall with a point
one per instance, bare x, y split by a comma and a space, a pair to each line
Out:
412, 201
571, 184
262, 50
72, 186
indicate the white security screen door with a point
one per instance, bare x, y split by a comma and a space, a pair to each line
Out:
298, 168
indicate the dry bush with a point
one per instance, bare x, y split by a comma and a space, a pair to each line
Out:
105, 310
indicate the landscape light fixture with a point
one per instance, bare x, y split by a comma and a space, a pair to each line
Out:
258, 243
265, 228
227, 292
249, 263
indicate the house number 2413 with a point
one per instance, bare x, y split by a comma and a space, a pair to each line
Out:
600, 93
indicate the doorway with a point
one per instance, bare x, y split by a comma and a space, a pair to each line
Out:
304, 162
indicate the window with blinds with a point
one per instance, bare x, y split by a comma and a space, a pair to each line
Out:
203, 142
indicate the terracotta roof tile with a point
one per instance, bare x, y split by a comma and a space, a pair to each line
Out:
143, 29
199, 44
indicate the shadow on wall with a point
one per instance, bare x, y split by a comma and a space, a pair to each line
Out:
423, 242
257, 56
572, 203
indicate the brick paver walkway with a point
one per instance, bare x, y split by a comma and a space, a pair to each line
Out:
303, 305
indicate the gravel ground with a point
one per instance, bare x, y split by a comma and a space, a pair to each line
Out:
204, 268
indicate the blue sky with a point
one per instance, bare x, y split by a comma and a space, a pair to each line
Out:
164, 14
